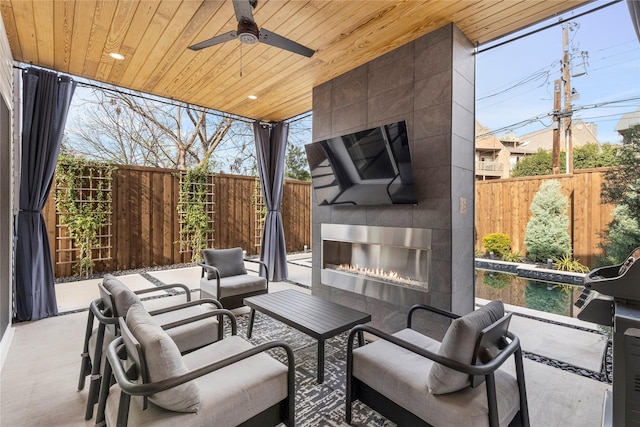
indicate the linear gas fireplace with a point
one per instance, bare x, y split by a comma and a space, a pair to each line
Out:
387, 263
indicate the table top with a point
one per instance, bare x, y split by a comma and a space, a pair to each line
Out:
309, 314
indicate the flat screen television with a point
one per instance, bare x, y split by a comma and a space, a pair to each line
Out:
368, 167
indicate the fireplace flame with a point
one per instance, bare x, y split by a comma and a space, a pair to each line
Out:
378, 273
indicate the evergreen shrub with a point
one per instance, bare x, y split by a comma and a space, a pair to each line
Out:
498, 243
546, 235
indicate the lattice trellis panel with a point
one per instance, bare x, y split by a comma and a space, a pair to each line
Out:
200, 194
95, 192
259, 213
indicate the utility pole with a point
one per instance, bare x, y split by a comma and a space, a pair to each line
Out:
567, 113
555, 165
562, 117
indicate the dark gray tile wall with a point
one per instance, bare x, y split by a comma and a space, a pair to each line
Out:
430, 84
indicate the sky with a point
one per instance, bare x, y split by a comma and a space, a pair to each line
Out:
514, 82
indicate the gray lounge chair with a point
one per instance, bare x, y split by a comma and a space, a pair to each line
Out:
415, 380
114, 302
227, 383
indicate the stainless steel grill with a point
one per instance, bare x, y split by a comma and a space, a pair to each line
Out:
612, 298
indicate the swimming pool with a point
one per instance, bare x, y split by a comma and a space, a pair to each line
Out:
542, 296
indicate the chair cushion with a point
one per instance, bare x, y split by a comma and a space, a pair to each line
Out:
459, 344
229, 262
123, 297
193, 334
234, 285
229, 396
163, 361
401, 376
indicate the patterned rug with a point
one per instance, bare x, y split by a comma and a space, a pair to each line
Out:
316, 404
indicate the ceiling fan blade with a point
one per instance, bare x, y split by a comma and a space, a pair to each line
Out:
244, 9
276, 40
231, 35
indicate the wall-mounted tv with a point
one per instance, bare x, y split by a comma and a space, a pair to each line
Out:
368, 167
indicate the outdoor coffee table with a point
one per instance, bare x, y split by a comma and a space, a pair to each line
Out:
311, 315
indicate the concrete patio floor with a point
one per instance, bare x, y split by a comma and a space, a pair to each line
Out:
557, 397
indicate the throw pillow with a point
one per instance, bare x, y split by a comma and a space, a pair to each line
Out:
459, 344
163, 361
229, 262
123, 297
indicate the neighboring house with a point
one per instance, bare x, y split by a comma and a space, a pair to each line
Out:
627, 121
492, 158
581, 134
516, 146
497, 155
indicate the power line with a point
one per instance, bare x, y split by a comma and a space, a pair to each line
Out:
528, 79
540, 117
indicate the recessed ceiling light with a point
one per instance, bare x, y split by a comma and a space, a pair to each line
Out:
252, 97
117, 56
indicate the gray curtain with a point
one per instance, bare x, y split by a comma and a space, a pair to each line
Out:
634, 12
271, 143
46, 99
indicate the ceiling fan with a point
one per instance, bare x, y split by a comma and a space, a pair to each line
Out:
249, 33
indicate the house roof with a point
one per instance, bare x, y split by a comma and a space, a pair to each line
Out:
581, 133
77, 36
485, 140
628, 121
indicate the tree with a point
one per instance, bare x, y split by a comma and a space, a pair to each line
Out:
622, 187
546, 235
623, 236
129, 129
538, 163
296, 165
591, 155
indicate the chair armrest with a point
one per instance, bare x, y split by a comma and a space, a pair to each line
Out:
202, 301
439, 311
257, 261
218, 312
480, 369
209, 267
147, 389
96, 308
184, 287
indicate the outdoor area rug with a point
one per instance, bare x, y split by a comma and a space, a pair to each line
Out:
316, 404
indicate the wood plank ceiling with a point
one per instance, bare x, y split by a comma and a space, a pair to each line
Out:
76, 37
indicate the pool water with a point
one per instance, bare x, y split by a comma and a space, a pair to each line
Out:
542, 296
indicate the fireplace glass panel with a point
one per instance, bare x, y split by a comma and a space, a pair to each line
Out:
404, 266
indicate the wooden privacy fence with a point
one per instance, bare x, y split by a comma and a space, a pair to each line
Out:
145, 226
502, 206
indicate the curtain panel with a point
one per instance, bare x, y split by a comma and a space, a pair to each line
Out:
271, 144
46, 98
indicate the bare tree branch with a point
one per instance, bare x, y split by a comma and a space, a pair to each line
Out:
128, 129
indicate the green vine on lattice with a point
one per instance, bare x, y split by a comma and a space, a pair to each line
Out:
192, 208
83, 200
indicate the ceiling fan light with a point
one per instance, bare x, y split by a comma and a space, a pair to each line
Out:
247, 38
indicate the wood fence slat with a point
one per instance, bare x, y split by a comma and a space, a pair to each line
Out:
145, 227
157, 220
588, 216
